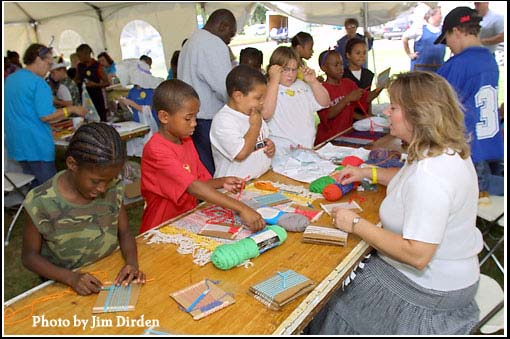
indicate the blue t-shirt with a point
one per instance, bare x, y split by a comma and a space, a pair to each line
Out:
111, 69
28, 98
142, 96
474, 75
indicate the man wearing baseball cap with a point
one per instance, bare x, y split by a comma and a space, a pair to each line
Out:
473, 73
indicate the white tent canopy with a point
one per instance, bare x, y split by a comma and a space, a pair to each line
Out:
100, 24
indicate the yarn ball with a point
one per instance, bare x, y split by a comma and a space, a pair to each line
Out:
293, 222
346, 188
227, 256
352, 160
332, 192
317, 186
383, 157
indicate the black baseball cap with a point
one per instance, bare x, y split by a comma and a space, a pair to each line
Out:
457, 16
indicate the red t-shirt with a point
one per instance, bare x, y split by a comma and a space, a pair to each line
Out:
167, 171
329, 127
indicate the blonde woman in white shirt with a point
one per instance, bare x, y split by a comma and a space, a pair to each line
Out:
423, 277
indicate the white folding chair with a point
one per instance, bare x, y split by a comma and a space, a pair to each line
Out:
490, 301
15, 187
493, 214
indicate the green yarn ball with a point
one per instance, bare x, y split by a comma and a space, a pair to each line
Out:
227, 256
317, 186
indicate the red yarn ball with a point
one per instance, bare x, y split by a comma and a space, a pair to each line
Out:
352, 160
332, 192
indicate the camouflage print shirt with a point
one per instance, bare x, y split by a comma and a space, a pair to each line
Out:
74, 235
73, 89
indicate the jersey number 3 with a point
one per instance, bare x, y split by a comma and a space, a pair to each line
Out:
486, 99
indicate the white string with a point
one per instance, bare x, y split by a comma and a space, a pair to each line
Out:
247, 264
186, 245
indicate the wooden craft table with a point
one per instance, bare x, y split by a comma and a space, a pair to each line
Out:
169, 271
138, 131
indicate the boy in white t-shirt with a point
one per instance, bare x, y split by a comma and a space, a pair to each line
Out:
239, 136
290, 103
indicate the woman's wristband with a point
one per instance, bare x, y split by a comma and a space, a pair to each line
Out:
374, 175
66, 112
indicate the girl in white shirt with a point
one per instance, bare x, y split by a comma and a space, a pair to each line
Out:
290, 103
424, 276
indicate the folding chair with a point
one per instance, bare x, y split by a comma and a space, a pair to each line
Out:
490, 301
15, 185
493, 214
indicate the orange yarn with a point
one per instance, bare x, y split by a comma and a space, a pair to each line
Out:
265, 186
11, 314
332, 192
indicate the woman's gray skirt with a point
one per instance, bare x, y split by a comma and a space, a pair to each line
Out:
381, 300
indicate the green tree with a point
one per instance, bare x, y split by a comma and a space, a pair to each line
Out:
259, 15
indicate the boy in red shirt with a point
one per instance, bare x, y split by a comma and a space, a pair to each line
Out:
173, 177
344, 94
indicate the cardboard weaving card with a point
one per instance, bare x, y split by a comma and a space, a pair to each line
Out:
383, 77
202, 299
219, 231
117, 298
271, 199
281, 288
324, 235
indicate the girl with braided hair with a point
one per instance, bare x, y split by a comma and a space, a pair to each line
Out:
77, 217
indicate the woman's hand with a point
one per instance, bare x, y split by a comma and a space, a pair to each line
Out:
342, 218
129, 273
79, 110
350, 174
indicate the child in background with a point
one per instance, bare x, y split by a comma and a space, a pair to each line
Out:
143, 90
239, 135
344, 94
290, 103
71, 71
78, 217
173, 177
92, 73
252, 57
356, 54
172, 72
302, 43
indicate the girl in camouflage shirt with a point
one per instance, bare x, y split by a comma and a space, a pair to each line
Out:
77, 217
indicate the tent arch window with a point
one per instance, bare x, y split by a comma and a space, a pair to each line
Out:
138, 38
68, 41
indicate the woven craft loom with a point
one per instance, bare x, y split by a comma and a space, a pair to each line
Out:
202, 299
281, 288
117, 298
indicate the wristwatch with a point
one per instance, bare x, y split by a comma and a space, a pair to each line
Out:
354, 222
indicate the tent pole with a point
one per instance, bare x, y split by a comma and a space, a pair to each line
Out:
365, 10
100, 17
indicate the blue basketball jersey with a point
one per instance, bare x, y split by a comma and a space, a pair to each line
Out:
474, 75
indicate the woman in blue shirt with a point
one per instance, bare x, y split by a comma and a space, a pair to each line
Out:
29, 111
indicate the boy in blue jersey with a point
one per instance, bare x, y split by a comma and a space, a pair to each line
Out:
474, 74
